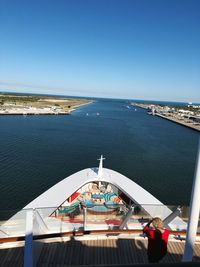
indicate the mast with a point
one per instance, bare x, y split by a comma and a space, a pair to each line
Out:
100, 170
194, 212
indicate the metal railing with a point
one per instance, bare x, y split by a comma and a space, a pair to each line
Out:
99, 217
33, 224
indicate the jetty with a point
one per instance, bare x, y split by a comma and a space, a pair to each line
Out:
180, 116
187, 123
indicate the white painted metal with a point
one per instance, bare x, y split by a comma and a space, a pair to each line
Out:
57, 194
28, 249
194, 212
3, 233
173, 215
85, 217
126, 219
100, 170
39, 226
64, 189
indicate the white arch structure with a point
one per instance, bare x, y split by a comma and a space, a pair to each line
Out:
61, 191
57, 194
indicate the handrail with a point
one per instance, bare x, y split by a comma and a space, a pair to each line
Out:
86, 232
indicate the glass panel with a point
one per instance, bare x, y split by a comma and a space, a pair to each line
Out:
107, 216
12, 223
175, 217
61, 219
87, 216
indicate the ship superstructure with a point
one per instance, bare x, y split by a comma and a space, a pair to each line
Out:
94, 200
102, 192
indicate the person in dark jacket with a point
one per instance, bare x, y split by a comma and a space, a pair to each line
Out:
157, 239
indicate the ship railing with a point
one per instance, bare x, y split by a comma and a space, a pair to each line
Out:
83, 218
32, 225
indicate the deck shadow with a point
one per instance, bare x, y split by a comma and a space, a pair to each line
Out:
104, 252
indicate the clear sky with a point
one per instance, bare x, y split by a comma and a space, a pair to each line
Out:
138, 49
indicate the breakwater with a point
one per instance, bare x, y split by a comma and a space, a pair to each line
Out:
189, 124
176, 118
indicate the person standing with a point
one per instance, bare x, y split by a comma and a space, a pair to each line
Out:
157, 239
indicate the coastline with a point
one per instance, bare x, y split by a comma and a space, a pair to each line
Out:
77, 106
23, 105
189, 124
195, 127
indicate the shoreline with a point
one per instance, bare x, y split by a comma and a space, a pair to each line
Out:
185, 124
30, 111
77, 106
191, 125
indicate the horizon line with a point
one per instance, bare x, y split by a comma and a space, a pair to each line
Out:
93, 97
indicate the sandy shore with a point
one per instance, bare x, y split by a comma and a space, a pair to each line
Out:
40, 106
77, 106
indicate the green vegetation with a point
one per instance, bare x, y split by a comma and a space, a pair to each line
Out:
61, 104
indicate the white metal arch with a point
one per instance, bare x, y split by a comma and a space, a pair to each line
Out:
57, 194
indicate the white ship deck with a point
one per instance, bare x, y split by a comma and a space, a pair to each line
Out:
123, 250
49, 201
39, 220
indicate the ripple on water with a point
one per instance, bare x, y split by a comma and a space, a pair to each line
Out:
39, 151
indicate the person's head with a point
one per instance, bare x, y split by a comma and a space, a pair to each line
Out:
157, 222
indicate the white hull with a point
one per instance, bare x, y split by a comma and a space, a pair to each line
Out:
47, 202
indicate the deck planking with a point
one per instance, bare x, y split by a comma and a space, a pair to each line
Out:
107, 251
93, 251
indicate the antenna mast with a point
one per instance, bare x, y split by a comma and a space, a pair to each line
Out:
100, 170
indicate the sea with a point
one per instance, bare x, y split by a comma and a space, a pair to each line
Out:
38, 151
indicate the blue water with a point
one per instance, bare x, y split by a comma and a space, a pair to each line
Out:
38, 151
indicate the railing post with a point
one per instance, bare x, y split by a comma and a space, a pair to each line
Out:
28, 247
40, 222
194, 212
84, 217
172, 216
127, 217
2, 232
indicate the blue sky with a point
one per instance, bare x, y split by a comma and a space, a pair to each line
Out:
138, 49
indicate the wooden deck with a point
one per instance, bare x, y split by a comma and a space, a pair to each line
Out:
11, 256
92, 251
